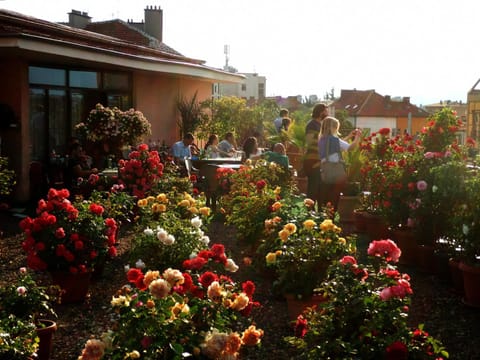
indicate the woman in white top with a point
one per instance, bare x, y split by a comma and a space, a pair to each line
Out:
329, 141
212, 149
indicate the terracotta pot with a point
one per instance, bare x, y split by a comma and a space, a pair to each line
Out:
376, 227
74, 287
405, 240
359, 220
426, 258
471, 284
456, 276
296, 306
346, 207
45, 332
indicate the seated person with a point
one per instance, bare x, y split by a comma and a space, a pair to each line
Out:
78, 166
250, 149
278, 155
181, 149
211, 148
227, 145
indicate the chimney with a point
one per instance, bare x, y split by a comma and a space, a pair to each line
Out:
78, 19
406, 99
387, 98
154, 22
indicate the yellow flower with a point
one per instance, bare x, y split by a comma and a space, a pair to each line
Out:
193, 210
162, 198
142, 202
150, 199
150, 303
278, 252
277, 190
327, 225
271, 258
184, 203
309, 224
156, 208
291, 228
284, 234
179, 308
205, 211
276, 206
342, 241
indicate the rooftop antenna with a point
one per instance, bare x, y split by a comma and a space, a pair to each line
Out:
226, 51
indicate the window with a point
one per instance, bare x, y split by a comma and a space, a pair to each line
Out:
84, 79
47, 76
244, 87
116, 81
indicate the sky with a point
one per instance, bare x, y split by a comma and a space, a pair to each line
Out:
424, 49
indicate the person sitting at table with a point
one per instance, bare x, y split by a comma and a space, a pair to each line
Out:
277, 155
78, 166
250, 148
227, 145
181, 149
211, 148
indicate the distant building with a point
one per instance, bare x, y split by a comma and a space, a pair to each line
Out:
369, 110
473, 111
253, 87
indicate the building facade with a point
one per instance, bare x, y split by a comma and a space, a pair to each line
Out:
54, 74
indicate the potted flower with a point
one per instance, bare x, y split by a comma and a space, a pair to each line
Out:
303, 256
141, 171
68, 240
366, 313
24, 308
173, 314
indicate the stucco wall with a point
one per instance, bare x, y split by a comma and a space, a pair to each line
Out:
156, 97
14, 92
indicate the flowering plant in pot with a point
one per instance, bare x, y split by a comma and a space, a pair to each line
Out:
171, 227
141, 171
175, 314
24, 306
68, 237
304, 254
366, 313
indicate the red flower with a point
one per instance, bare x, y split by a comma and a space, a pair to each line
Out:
96, 209
134, 274
301, 327
248, 288
207, 278
194, 264
397, 351
60, 233
261, 184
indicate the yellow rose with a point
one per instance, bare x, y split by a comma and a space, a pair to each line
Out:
277, 190
271, 258
150, 199
327, 225
309, 224
291, 228
205, 211
158, 208
278, 252
142, 202
284, 234
193, 210
342, 241
276, 206
162, 198
184, 203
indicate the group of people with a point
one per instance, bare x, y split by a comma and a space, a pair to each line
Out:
324, 144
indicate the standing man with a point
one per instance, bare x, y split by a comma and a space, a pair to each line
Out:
278, 122
311, 162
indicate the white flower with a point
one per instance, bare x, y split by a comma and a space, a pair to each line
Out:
465, 229
205, 239
140, 264
126, 268
434, 188
162, 235
192, 255
231, 266
148, 231
21, 290
196, 222
169, 240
